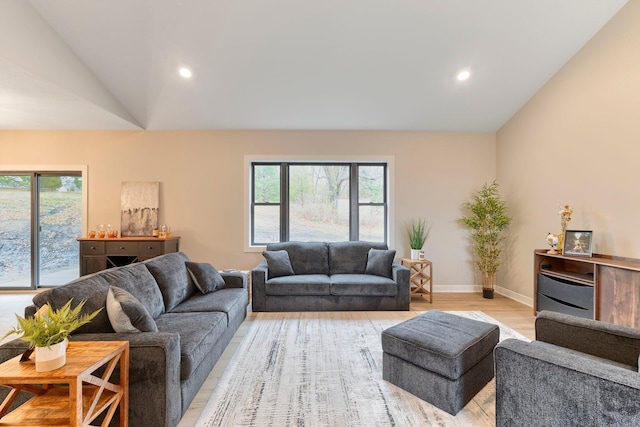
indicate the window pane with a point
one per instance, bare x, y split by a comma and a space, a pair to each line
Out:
266, 224
319, 202
372, 223
15, 231
267, 184
371, 184
60, 219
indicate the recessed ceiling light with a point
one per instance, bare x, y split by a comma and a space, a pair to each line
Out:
185, 72
464, 75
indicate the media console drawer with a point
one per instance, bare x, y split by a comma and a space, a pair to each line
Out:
546, 303
565, 292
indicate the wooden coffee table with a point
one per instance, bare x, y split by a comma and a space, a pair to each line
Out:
71, 395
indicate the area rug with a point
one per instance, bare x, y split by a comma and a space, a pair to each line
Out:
325, 369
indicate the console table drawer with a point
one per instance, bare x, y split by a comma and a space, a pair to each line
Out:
546, 303
122, 248
572, 294
92, 248
150, 249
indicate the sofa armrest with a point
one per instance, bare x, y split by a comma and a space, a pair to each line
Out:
616, 343
258, 292
400, 275
544, 385
234, 279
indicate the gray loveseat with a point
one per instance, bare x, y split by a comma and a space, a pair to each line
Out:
167, 367
578, 372
322, 276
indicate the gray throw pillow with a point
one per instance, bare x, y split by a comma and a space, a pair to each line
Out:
205, 276
127, 314
278, 263
379, 262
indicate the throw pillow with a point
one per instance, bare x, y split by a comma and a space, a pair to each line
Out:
205, 276
127, 314
278, 263
379, 262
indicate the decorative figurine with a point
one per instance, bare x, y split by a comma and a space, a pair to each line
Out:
553, 240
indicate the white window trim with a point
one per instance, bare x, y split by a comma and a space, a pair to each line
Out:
248, 159
59, 168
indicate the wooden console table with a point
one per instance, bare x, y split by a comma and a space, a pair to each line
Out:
100, 254
70, 395
421, 275
600, 287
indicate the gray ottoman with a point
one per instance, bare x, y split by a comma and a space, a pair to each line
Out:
442, 358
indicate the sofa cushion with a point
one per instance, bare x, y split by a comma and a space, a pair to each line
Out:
225, 300
170, 271
306, 257
306, 284
135, 279
93, 289
138, 281
198, 335
278, 264
379, 262
205, 276
362, 285
127, 314
350, 257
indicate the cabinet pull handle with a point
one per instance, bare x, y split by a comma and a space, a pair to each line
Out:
122, 248
93, 247
150, 247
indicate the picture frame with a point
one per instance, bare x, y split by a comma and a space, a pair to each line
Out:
578, 242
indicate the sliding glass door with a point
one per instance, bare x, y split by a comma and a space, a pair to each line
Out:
15, 231
40, 219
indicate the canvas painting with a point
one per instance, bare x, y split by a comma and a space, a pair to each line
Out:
140, 202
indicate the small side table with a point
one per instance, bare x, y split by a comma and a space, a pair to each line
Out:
421, 275
78, 396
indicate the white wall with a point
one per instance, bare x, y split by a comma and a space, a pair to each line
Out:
577, 142
202, 178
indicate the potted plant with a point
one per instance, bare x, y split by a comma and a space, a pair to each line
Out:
487, 218
418, 232
47, 332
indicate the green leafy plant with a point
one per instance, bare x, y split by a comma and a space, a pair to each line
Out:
418, 232
48, 327
487, 218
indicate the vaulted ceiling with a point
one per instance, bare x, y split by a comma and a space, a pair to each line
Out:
283, 64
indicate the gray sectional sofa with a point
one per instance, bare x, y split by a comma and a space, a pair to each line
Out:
191, 328
318, 276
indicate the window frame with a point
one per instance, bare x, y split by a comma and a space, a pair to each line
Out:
354, 195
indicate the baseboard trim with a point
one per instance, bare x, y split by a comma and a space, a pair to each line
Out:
515, 296
477, 288
457, 288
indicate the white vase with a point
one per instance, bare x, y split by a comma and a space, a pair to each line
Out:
415, 253
50, 358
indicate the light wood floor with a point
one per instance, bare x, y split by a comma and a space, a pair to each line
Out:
513, 314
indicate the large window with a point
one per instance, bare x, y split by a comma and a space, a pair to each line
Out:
318, 202
41, 217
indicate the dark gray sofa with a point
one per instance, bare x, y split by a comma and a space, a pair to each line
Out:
168, 367
330, 277
578, 372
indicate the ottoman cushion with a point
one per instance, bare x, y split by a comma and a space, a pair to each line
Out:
440, 342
